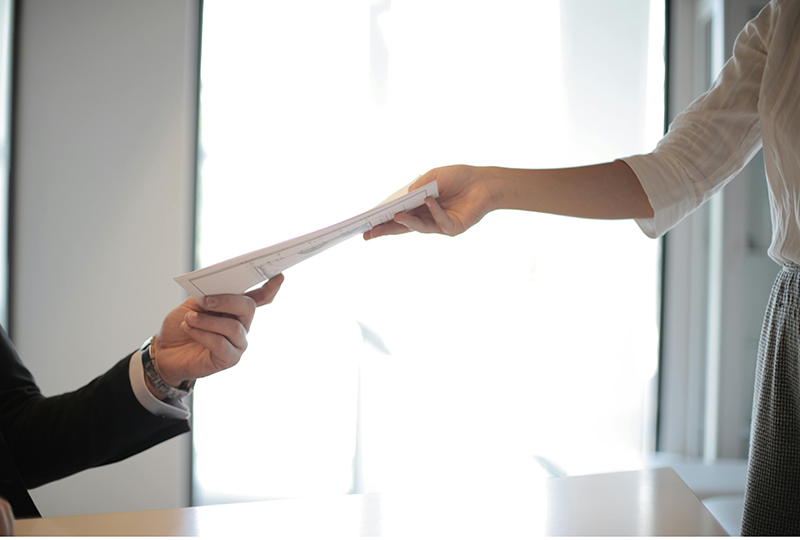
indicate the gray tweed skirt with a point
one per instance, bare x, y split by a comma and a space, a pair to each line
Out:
772, 495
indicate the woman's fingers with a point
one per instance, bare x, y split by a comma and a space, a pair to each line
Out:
386, 229
414, 222
443, 221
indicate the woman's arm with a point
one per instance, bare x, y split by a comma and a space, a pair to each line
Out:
466, 194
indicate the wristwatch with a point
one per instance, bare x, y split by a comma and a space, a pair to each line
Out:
150, 371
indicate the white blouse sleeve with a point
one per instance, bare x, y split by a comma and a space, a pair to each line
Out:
712, 140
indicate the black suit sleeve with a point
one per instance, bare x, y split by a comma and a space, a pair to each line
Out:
53, 437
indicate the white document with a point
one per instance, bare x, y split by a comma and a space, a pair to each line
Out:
239, 274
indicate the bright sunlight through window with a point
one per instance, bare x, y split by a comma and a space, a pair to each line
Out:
420, 362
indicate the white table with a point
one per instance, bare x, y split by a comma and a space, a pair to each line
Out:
644, 503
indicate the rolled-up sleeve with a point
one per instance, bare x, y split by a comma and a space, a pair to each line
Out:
712, 140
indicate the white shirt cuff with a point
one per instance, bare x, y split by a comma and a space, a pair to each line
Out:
171, 408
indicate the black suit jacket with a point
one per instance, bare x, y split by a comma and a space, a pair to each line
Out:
47, 438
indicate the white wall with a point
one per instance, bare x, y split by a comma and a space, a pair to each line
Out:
103, 205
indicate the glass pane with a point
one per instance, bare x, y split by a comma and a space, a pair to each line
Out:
419, 362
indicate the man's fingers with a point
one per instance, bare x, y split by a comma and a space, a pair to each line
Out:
267, 292
229, 328
242, 307
6, 518
234, 306
218, 345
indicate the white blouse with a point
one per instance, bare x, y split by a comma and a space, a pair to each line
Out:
755, 99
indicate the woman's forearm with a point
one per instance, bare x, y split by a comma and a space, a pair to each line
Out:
604, 191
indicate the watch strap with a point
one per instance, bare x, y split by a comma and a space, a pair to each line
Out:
151, 372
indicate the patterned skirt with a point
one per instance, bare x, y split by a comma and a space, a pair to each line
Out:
772, 496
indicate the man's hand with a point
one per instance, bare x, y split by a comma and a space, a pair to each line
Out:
6, 518
196, 341
464, 198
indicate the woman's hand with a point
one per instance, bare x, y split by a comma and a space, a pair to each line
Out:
465, 196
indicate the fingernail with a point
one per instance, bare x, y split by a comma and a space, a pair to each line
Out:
191, 316
212, 301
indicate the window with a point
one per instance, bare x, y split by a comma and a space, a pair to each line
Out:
419, 362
